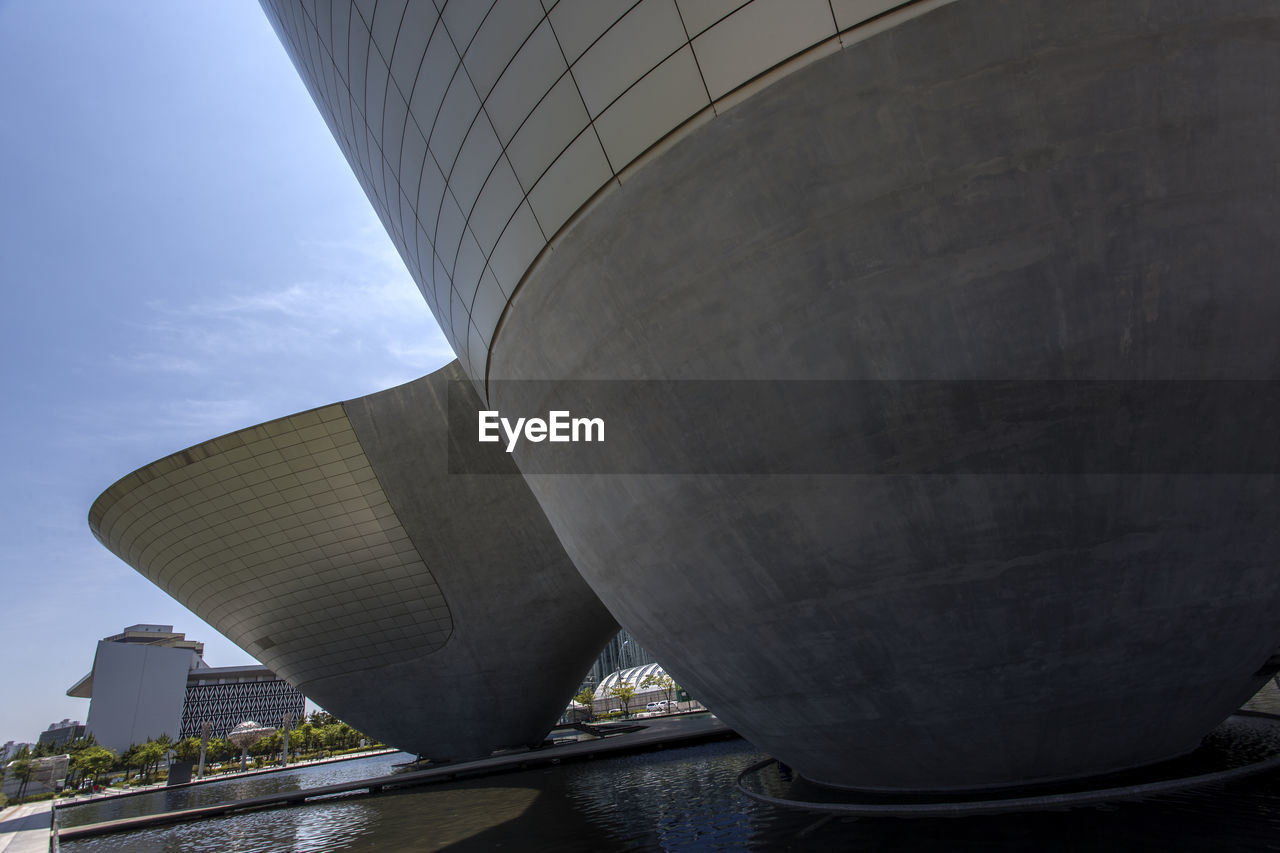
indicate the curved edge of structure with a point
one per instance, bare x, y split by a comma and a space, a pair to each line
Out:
1014, 803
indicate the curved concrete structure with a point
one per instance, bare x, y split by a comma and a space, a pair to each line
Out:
478, 128
434, 611
980, 190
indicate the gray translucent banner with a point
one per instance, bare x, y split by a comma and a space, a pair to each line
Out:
872, 427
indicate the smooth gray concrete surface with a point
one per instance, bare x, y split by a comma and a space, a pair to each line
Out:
526, 626
999, 189
138, 693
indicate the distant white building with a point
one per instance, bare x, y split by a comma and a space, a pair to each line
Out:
62, 732
149, 680
10, 749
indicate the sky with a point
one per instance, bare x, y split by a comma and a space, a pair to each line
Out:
184, 252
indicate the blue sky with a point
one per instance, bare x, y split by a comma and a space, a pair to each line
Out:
183, 252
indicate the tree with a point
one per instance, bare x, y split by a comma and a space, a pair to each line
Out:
586, 697
663, 682
21, 768
129, 759
218, 749
265, 745
187, 749
148, 757
624, 692
304, 738
165, 743
320, 719
92, 762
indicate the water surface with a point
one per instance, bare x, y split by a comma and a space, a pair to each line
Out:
685, 799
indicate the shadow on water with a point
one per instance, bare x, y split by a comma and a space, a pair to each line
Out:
686, 799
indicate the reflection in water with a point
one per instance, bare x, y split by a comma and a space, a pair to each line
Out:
685, 799
663, 805
230, 790
320, 828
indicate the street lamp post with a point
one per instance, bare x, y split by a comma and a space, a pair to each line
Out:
286, 723
205, 728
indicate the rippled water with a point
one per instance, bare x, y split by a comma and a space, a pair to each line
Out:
686, 799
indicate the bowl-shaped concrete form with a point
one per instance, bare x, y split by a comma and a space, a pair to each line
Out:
436, 612
1043, 191
1030, 191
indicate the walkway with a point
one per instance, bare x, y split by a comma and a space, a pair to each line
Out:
25, 828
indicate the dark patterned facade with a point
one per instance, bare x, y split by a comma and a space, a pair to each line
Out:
225, 703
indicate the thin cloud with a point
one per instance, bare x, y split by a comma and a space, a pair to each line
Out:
363, 323
155, 362
220, 363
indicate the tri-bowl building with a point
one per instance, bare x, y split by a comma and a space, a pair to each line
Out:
998, 503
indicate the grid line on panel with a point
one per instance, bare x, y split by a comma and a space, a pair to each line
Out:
448, 193
688, 40
362, 161
426, 133
390, 81
400, 194
638, 81
466, 214
483, 18
583, 99
361, 143
367, 24
340, 117
363, 152
207, 564
735, 10
309, 44
668, 132
456, 206
503, 146
599, 36
460, 68
503, 157
835, 24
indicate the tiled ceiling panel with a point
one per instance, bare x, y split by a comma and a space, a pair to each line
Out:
260, 530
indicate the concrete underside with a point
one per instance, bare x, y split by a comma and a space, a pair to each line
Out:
1000, 189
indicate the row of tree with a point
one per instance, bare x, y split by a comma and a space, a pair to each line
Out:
320, 733
88, 761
